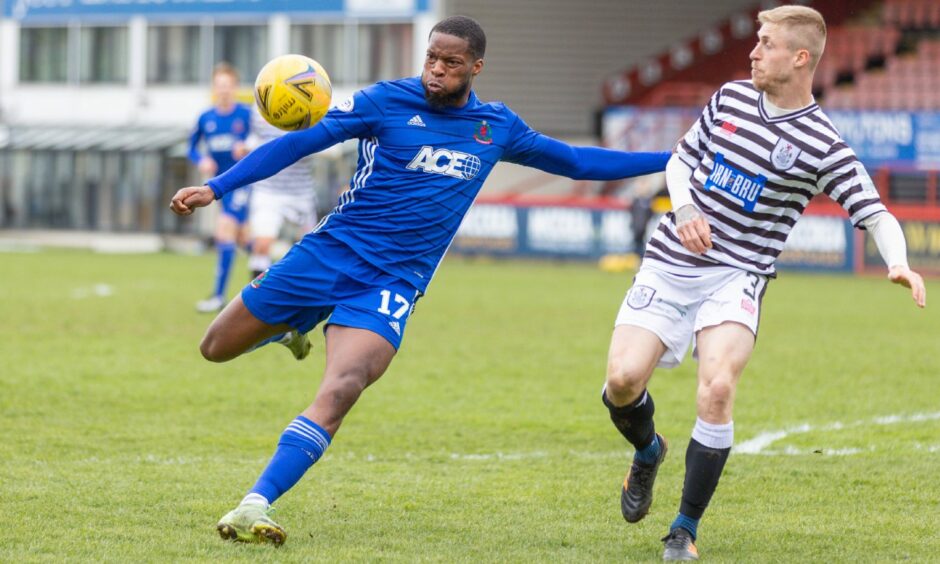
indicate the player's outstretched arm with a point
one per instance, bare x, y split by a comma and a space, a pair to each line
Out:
186, 200
272, 157
909, 279
889, 238
582, 163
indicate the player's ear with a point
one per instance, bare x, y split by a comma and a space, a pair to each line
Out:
802, 58
477, 67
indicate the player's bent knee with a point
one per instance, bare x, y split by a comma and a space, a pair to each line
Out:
345, 387
625, 378
717, 395
212, 349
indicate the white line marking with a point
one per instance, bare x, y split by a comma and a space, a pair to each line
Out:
98, 290
759, 444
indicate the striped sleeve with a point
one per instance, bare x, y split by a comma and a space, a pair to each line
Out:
692, 146
844, 179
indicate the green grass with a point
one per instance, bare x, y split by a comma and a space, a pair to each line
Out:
485, 441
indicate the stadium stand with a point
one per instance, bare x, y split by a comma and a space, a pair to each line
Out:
880, 56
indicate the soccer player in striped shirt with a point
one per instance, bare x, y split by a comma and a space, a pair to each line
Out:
426, 145
288, 197
739, 180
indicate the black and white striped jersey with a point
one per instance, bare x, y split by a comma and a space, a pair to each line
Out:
295, 180
753, 176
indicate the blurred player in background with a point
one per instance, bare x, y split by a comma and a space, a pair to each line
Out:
223, 129
739, 180
426, 145
288, 197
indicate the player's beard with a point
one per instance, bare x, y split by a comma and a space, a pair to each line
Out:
438, 100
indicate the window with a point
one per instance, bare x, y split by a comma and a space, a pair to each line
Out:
244, 46
384, 52
173, 55
325, 43
44, 54
103, 54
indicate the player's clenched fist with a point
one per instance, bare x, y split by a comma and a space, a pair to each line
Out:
186, 200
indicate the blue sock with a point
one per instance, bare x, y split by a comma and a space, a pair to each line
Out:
301, 445
267, 341
226, 253
650, 453
687, 523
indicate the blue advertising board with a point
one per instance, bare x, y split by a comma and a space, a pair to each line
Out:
546, 231
891, 138
57, 10
818, 242
879, 138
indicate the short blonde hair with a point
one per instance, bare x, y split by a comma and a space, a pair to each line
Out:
224, 67
807, 25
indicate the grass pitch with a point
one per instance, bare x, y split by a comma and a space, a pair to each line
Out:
485, 441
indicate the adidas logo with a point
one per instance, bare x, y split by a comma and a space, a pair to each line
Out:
416, 121
394, 324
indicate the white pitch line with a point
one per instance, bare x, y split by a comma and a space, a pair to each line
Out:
759, 444
98, 290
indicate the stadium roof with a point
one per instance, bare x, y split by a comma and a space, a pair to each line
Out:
90, 138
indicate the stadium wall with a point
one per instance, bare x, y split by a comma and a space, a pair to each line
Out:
546, 58
824, 240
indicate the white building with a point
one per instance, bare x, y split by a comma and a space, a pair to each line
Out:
97, 96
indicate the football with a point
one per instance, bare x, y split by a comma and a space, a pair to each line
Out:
293, 92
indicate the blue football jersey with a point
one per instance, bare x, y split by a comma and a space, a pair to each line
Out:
419, 170
421, 167
220, 132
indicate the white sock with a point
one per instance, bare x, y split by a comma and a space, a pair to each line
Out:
713, 435
255, 499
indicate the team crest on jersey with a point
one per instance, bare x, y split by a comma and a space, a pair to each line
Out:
640, 296
484, 133
743, 189
447, 162
259, 279
784, 154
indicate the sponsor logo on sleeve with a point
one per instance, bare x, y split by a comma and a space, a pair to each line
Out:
728, 128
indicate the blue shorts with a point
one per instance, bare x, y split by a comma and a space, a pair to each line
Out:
321, 277
235, 204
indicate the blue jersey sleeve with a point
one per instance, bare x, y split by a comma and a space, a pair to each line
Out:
194, 138
360, 116
531, 148
270, 158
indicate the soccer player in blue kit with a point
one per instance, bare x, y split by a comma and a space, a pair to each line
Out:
426, 145
223, 128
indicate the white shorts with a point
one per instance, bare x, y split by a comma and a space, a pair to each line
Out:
270, 210
676, 307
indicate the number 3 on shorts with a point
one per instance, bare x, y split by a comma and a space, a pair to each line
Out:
400, 301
